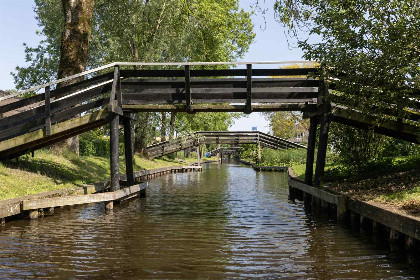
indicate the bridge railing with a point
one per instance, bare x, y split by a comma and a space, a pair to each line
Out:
41, 111
147, 89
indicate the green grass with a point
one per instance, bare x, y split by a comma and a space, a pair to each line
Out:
405, 195
48, 171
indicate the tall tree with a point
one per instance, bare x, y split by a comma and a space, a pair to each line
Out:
370, 48
152, 31
287, 124
74, 46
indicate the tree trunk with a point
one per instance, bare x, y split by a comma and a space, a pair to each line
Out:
74, 46
163, 128
172, 126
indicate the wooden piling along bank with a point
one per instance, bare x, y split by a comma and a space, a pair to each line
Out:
33, 206
401, 230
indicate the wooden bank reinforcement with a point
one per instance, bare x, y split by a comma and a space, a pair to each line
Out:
264, 168
400, 230
34, 206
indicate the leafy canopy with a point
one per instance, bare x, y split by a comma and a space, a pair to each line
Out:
372, 46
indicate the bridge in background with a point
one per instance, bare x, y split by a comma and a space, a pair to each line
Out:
37, 120
234, 138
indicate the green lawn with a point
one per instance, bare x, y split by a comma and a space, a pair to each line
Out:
48, 171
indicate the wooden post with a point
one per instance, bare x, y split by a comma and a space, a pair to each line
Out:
49, 211
47, 111
410, 243
292, 193
188, 89
365, 225
310, 152
114, 132
128, 145
342, 212
248, 108
109, 205
322, 150
323, 140
33, 214
218, 150
115, 150
198, 155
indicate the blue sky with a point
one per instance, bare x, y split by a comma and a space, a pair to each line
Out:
18, 26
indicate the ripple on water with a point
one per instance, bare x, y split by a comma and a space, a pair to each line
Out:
228, 222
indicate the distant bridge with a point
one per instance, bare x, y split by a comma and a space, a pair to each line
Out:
235, 138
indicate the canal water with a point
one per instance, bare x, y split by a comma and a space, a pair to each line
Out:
227, 222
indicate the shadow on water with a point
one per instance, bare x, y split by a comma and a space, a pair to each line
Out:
228, 222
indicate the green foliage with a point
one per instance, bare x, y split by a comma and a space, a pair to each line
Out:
371, 47
249, 152
395, 148
152, 31
360, 150
287, 124
336, 171
289, 157
205, 121
356, 147
95, 143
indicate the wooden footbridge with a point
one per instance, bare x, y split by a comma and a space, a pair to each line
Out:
234, 138
30, 120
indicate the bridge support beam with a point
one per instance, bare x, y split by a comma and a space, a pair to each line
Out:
114, 153
310, 152
128, 147
322, 150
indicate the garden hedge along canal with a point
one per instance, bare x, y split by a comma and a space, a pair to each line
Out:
224, 223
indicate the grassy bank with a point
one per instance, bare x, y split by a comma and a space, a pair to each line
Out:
48, 171
392, 181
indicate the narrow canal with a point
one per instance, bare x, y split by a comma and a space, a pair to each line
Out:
228, 222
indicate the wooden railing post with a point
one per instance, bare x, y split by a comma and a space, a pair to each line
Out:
188, 100
47, 111
114, 130
310, 151
248, 107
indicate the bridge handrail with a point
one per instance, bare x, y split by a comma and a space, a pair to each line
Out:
35, 88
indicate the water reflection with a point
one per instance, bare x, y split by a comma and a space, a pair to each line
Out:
225, 223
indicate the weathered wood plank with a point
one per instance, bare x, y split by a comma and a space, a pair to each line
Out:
270, 168
64, 103
135, 84
47, 111
217, 72
317, 192
383, 126
220, 108
79, 199
248, 101
75, 111
55, 129
7, 210
405, 224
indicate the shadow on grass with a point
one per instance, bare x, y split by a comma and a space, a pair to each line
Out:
82, 171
